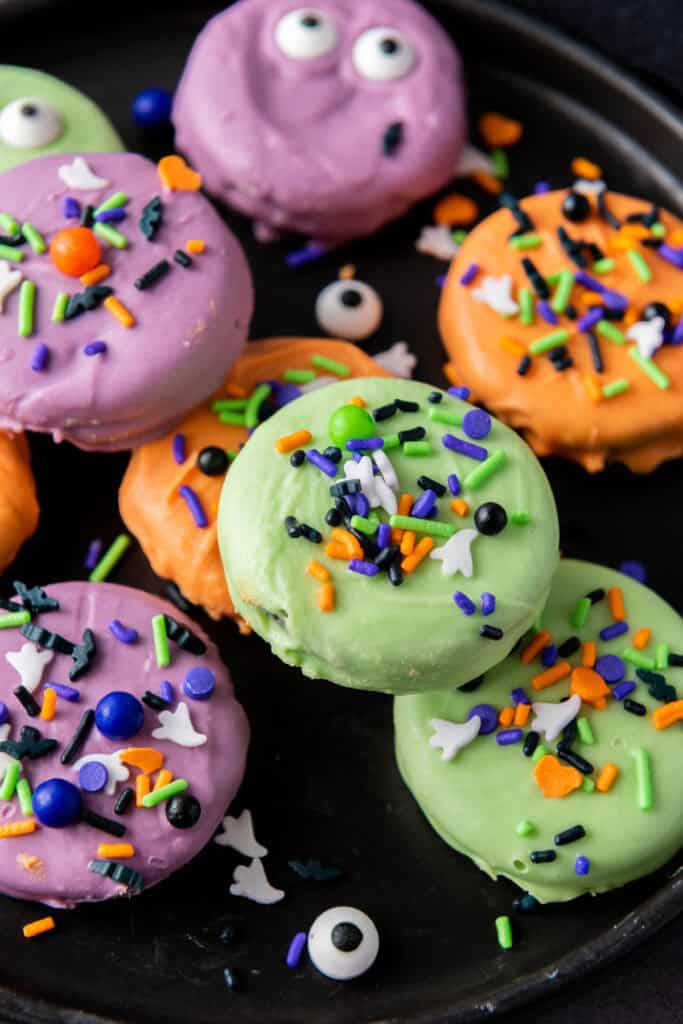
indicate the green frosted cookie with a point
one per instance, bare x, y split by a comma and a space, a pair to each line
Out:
40, 115
389, 629
492, 802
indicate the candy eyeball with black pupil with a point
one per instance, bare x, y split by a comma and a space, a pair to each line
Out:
349, 309
576, 207
654, 309
29, 123
343, 943
306, 33
490, 518
383, 54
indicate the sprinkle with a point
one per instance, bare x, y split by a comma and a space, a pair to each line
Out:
634, 707
542, 856
639, 264
161, 650
623, 690
583, 168
421, 551
469, 275
318, 571
360, 444
440, 415
488, 603
641, 661
525, 828
326, 597
512, 345
582, 865
34, 238
83, 730
416, 447
40, 358
13, 619
648, 366
530, 743
546, 312
466, 606
580, 613
196, 246
585, 731
615, 600
668, 714
331, 365
363, 567
27, 701
457, 392
563, 292
641, 639
435, 527
194, 504
508, 736
662, 656
47, 711
39, 927
365, 524
504, 932
491, 632
608, 330
551, 675
483, 472
114, 202
59, 308
549, 341
99, 273
613, 631
27, 296
95, 348
65, 692
110, 235
9, 783
523, 242
617, 387
119, 311
154, 274
526, 307
295, 950
110, 559
11, 254
643, 779
539, 751
256, 400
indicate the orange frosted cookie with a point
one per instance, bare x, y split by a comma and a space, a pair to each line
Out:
169, 494
563, 314
18, 503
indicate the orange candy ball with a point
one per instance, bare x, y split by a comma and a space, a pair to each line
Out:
75, 251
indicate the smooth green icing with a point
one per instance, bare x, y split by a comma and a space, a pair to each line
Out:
476, 801
85, 127
395, 639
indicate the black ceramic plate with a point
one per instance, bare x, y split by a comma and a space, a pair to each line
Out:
322, 781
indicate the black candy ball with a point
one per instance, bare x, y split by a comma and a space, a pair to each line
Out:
346, 936
183, 811
213, 461
654, 309
490, 518
575, 207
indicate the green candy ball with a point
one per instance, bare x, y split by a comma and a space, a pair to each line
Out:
349, 422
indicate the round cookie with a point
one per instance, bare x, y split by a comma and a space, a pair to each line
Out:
327, 120
40, 115
19, 505
109, 371
150, 500
343, 602
125, 744
503, 809
628, 411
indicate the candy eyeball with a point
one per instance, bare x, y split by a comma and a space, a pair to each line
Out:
305, 34
29, 123
349, 309
343, 943
382, 54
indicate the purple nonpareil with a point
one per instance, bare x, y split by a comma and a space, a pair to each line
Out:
124, 634
470, 274
322, 463
544, 310
360, 444
424, 504
364, 568
472, 451
384, 535
92, 555
95, 348
179, 449
40, 358
195, 506
590, 319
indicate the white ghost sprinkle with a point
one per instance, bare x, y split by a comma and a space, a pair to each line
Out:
79, 175
251, 881
177, 727
451, 737
9, 280
648, 335
551, 719
496, 292
238, 833
30, 662
398, 360
437, 241
456, 554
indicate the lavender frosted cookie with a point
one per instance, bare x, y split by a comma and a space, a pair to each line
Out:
328, 120
122, 743
125, 298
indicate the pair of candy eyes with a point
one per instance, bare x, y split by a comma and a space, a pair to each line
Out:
378, 53
29, 123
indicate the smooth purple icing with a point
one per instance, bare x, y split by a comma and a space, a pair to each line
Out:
297, 144
214, 770
190, 326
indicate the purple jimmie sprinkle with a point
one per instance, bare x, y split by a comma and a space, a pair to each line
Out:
364, 568
324, 464
589, 282
470, 274
384, 535
613, 631
194, 505
459, 392
166, 691
507, 736
441, 280
541, 187
111, 216
296, 948
549, 656
519, 696
545, 310
126, 634
360, 444
488, 603
362, 505
350, 500
179, 451
590, 319
635, 569
92, 555
4, 712
453, 484
677, 333
614, 300
65, 692
40, 358
623, 689
463, 602
95, 348
456, 444
671, 255
300, 257
424, 504
582, 865
71, 207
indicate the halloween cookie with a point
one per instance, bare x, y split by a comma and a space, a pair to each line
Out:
18, 506
328, 120
125, 298
193, 461
387, 536
561, 771
562, 313
122, 743
40, 115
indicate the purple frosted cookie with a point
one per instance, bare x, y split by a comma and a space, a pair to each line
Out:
328, 120
114, 771
125, 299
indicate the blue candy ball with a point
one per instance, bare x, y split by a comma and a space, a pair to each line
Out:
57, 803
119, 715
152, 108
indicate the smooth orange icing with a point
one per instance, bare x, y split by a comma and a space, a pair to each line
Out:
19, 505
